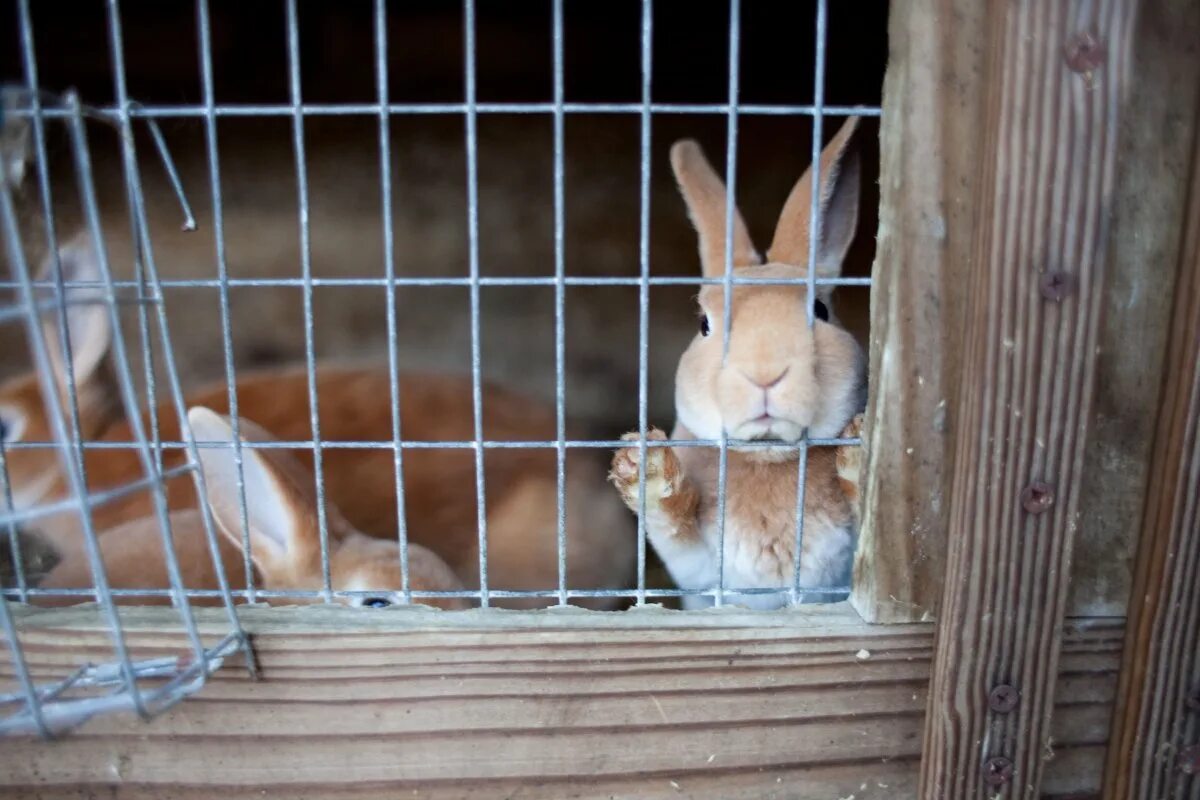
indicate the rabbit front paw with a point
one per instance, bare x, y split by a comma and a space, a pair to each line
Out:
849, 461
663, 472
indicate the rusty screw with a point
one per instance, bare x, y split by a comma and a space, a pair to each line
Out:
1057, 285
997, 771
1189, 760
1037, 497
1003, 698
1083, 52
1192, 701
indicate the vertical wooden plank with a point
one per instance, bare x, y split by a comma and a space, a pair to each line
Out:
1055, 77
1154, 750
1153, 158
929, 148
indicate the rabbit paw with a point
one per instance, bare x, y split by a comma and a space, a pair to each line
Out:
849, 460
663, 471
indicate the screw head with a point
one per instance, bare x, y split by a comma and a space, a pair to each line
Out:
1189, 760
1192, 701
1056, 285
1037, 497
1083, 52
997, 771
1003, 698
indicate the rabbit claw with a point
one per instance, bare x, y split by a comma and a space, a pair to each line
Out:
849, 460
662, 471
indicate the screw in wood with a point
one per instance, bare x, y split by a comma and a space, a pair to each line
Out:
1037, 497
1056, 285
1003, 698
1083, 52
997, 771
1189, 760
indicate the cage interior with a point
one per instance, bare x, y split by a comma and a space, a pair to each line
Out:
359, 301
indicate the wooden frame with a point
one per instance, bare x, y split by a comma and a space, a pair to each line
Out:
551, 704
1036, 206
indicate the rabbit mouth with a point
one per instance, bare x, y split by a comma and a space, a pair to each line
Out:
766, 427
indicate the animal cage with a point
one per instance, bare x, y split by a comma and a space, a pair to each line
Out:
373, 367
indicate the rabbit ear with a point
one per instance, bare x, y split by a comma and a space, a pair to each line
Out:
15, 138
840, 178
88, 322
279, 508
705, 196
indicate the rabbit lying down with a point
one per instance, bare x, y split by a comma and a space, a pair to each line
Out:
439, 484
281, 508
779, 379
355, 404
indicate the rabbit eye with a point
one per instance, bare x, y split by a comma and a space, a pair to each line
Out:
704, 327
376, 602
12, 425
820, 311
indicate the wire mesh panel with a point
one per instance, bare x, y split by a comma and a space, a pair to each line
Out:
273, 504
59, 339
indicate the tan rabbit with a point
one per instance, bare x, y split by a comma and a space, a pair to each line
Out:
355, 405
284, 537
780, 378
849, 467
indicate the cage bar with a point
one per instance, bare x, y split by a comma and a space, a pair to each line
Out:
456, 109
647, 54
814, 227
560, 414
204, 27
310, 359
472, 144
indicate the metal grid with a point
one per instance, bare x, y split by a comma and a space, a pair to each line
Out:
43, 710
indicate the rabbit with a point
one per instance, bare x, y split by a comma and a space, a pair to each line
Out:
849, 462
780, 379
355, 405
284, 538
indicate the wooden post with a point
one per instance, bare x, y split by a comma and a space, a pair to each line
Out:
1154, 750
1155, 153
931, 148
929, 145
1055, 78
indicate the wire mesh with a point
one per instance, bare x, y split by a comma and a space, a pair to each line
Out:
50, 708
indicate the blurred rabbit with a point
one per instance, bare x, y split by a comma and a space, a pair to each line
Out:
354, 405
780, 379
285, 547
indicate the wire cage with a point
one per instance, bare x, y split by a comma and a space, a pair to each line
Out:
47, 709
172, 444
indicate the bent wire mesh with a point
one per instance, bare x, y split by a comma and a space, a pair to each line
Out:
257, 491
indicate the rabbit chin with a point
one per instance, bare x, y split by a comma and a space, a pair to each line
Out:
706, 421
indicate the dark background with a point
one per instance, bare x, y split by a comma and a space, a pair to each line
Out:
425, 64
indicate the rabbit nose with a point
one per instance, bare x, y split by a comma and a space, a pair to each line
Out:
769, 384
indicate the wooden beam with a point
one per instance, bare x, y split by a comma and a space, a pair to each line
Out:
1149, 206
1157, 718
1055, 78
930, 150
649, 704
929, 147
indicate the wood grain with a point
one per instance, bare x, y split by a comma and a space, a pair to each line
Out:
1155, 151
1044, 200
532, 705
929, 155
1161, 669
